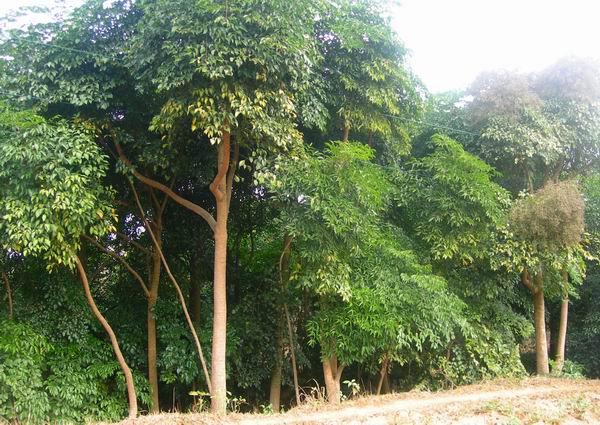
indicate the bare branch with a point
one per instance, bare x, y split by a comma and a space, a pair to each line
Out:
197, 209
133, 242
177, 289
119, 258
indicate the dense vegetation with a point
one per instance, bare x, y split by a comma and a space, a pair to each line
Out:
229, 202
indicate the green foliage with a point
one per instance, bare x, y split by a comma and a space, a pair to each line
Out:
333, 206
51, 189
449, 200
410, 262
570, 370
201, 55
374, 296
43, 381
368, 87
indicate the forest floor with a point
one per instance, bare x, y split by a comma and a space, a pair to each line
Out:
530, 401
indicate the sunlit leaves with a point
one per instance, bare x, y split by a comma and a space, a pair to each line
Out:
52, 190
450, 200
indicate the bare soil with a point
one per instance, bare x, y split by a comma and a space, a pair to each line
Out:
531, 401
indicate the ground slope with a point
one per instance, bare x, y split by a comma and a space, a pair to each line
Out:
532, 401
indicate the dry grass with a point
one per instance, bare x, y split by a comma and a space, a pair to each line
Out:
531, 401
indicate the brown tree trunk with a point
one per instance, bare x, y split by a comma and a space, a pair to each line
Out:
332, 374
132, 397
562, 330
8, 295
382, 375
219, 402
221, 189
386, 389
536, 288
158, 249
541, 343
293, 354
276, 372
151, 320
346, 134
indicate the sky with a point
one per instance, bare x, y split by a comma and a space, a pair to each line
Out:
452, 41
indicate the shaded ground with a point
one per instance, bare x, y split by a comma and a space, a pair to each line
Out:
532, 401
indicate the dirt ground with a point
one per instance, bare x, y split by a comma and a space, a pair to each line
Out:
531, 401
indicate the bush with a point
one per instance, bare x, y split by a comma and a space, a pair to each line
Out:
43, 381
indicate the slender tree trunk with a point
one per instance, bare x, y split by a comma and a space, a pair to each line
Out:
132, 397
8, 295
221, 190
152, 299
219, 402
332, 374
562, 330
276, 372
293, 354
346, 134
158, 249
541, 343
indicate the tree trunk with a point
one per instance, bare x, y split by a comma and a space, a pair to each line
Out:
541, 343
383, 374
152, 299
346, 134
562, 330
536, 287
562, 335
332, 374
8, 295
293, 354
221, 190
132, 397
275, 391
386, 389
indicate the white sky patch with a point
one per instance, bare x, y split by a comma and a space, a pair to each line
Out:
452, 41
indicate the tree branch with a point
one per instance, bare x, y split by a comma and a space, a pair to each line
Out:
117, 257
197, 209
133, 242
177, 289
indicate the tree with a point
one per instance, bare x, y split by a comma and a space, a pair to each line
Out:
449, 201
539, 128
367, 88
351, 260
51, 196
226, 84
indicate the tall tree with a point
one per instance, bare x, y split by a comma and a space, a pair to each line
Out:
224, 85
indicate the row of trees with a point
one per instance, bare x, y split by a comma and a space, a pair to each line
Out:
269, 179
